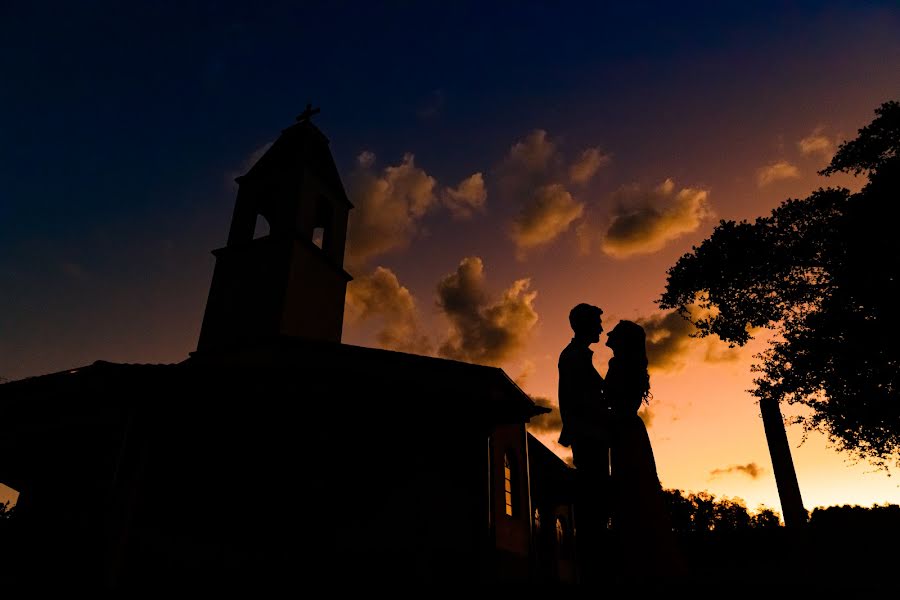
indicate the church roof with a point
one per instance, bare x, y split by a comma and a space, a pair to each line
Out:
463, 386
303, 393
319, 377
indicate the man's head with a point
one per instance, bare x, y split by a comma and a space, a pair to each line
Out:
586, 322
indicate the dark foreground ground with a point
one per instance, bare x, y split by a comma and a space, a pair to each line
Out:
854, 560
812, 560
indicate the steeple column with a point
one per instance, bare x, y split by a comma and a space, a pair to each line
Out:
287, 283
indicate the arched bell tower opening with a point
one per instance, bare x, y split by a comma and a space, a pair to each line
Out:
322, 223
262, 228
291, 280
318, 237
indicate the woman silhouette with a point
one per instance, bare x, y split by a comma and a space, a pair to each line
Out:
640, 516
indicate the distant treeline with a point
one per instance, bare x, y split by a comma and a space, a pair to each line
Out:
874, 518
7, 510
702, 511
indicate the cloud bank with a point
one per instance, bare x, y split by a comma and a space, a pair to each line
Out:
587, 165
776, 171
669, 341
548, 423
548, 214
536, 177
482, 330
752, 470
467, 198
644, 220
817, 143
389, 206
379, 295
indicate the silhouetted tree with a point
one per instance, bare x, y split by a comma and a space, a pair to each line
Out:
7, 511
731, 515
681, 511
765, 518
702, 511
883, 519
823, 272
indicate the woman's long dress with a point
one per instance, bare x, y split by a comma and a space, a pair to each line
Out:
640, 517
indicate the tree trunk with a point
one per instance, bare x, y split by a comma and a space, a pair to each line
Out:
782, 464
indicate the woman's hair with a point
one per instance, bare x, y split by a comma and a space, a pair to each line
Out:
630, 348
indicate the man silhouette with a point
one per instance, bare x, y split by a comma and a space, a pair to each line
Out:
586, 420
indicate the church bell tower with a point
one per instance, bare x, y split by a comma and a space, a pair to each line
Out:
292, 281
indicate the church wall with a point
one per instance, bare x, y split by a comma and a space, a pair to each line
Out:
512, 533
425, 515
244, 473
552, 499
313, 492
246, 294
63, 460
318, 312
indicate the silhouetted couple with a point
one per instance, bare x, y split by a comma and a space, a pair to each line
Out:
615, 469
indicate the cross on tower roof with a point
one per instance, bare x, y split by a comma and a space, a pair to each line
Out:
308, 113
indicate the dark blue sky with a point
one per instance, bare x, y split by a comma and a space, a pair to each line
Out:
99, 98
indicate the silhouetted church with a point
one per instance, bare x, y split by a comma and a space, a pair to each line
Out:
276, 454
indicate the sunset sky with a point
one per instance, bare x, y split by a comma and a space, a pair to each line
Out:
506, 163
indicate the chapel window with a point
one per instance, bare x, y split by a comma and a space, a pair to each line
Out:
508, 477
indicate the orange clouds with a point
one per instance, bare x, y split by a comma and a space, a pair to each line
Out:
668, 337
752, 470
467, 198
536, 177
389, 206
669, 340
547, 215
380, 295
776, 171
587, 165
645, 220
534, 154
548, 423
484, 331
817, 143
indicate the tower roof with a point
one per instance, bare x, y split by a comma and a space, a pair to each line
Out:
299, 145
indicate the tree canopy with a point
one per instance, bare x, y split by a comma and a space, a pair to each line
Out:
704, 512
822, 272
